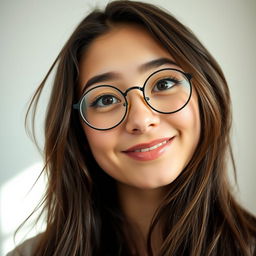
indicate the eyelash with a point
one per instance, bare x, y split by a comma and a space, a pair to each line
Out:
172, 79
94, 103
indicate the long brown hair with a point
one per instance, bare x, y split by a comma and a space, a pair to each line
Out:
200, 215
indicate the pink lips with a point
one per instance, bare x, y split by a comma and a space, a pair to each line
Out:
149, 151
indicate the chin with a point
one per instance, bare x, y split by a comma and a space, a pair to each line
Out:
152, 184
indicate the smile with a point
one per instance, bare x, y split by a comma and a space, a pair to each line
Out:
149, 151
151, 148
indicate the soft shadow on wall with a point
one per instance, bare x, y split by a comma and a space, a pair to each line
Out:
18, 198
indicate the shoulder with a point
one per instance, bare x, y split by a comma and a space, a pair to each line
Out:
26, 248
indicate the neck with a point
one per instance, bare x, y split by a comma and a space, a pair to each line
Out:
139, 207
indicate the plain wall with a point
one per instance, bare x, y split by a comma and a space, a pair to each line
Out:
32, 34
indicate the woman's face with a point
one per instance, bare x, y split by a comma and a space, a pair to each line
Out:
123, 52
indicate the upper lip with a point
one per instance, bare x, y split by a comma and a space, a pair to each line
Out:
147, 145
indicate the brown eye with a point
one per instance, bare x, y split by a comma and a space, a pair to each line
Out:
164, 84
105, 100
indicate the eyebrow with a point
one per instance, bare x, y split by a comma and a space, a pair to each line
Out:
142, 68
156, 63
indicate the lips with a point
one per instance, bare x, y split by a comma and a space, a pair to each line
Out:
149, 151
148, 146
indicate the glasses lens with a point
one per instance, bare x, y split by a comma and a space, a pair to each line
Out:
103, 107
167, 90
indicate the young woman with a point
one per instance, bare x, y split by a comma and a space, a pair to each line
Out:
137, 143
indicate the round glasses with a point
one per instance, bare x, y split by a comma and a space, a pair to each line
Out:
166, 91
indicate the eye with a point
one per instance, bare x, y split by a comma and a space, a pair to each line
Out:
165, 84
105, 101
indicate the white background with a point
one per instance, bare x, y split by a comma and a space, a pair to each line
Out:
32, 33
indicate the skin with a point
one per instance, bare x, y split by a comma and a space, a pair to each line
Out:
141, 184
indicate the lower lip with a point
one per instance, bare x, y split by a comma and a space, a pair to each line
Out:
150, 155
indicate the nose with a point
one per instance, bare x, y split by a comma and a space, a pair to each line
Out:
141, 118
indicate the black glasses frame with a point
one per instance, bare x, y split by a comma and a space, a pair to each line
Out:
78, 105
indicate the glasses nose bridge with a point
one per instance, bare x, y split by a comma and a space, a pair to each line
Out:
133, 88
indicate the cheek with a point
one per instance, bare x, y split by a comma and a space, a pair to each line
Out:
96, 139
187, 120
102, 144
187, 125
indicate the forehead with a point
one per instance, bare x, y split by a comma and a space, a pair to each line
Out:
123, 49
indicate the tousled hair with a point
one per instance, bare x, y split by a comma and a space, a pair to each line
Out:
199, 213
